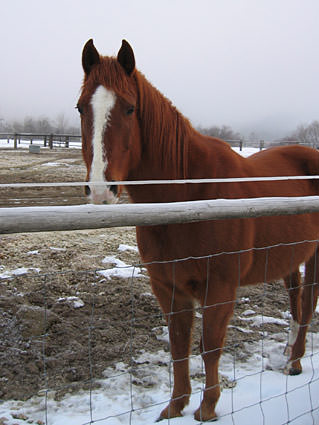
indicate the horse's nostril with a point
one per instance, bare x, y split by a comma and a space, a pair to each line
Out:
87, 190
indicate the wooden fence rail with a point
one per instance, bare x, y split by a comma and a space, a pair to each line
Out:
42, 219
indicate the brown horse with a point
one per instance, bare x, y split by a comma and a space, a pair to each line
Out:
130, 131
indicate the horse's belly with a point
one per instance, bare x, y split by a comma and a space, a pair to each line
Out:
281, 245
263, 249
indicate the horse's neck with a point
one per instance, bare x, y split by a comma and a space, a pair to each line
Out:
171, 149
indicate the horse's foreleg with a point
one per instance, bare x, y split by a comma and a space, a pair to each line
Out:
179, 312
215, 321
292, 284
308, 306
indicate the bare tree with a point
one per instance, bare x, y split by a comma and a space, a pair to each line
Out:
61, 123
224, 132
308, 134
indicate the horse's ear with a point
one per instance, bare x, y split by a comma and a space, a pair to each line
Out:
126, 58
90, 57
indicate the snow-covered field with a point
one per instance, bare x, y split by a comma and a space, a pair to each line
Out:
258, 398
262, 394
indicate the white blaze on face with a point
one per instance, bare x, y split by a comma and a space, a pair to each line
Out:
102, 102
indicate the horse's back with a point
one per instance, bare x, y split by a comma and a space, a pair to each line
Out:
286, 160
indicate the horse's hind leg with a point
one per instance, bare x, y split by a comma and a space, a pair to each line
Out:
179, 312
308, 305
292, 284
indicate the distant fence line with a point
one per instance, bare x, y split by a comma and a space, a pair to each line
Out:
63, 140
49, 140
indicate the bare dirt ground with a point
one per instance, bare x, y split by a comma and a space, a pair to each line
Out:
61, 322
58, 165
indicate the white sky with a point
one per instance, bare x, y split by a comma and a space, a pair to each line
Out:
245, 63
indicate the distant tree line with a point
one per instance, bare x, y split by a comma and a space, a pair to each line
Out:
308, 134
224, 132
42, 125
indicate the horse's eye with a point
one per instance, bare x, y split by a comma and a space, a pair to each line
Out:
130, 110
79, 108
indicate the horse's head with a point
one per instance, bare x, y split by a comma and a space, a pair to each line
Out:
109, 123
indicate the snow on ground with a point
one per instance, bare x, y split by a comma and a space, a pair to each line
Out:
247, 151
269, 397
24, 144
121, 270
17, 272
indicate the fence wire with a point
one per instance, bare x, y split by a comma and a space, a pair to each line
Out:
129, 376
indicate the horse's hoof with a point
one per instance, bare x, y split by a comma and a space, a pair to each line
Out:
293, 370
169, 413
201, 416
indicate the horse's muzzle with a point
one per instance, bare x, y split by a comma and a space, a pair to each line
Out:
102, 195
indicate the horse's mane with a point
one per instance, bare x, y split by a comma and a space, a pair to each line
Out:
164, 129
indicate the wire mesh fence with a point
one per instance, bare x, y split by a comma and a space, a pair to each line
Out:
91, 346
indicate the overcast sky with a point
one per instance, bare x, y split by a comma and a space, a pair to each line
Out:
244, 63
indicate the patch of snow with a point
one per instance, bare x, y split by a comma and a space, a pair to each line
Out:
162, 333
239, 328
121, 269
55, 164
260, 320
286, 315
244, 300
75, 302
246, 151
53, 248
123, 247
147, 294
19, 272
35, 252
248, 312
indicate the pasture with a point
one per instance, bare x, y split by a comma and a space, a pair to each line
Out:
84, 338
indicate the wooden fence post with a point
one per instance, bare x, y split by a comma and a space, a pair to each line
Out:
15, 141
51, 141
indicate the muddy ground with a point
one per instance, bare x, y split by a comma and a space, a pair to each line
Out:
62, 322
